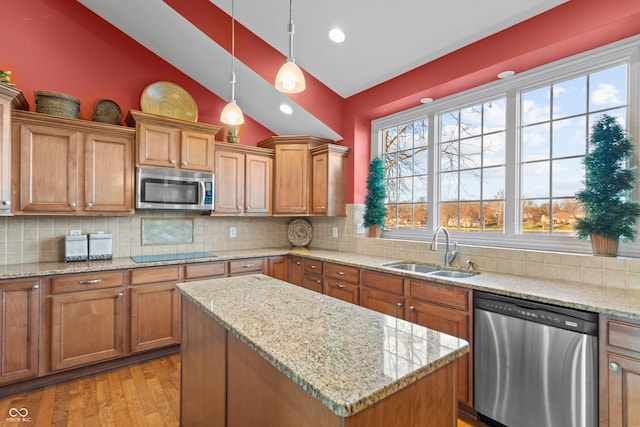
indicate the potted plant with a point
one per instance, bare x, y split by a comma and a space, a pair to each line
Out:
374, 209
609, 216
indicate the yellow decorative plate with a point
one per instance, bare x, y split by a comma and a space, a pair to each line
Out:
169, 100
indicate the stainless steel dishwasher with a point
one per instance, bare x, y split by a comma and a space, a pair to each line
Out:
535, 365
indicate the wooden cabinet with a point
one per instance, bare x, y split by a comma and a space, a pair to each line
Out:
243, 180
205, 270
329, 180
619, 372
172, 143
19, 330
295, 270
341, 281
87, 319
92, 164
240, 267
447, 309
295, 176
382, 292
155, 308
277, 267
312, 274
9, 99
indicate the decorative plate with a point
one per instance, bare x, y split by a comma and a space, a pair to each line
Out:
299, 232
107, 111
169, 100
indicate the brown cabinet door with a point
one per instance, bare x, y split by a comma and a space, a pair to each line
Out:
229, 182
19, 330
450, 322
257, 196
341, 290
158, 145
291, 180
196, 151
312, 282
320, 180
48, 176
277, 267
296, 271
382, 302
155, 316
623, 377
108, 182
86, 327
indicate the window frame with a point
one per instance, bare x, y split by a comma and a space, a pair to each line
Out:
626, 51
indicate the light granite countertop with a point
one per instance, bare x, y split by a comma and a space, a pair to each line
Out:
346, 356
601, 299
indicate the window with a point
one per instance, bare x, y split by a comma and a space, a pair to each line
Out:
501, 164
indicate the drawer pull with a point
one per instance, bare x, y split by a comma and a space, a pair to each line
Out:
313, 267
248, 265
90, 282
341, 273
297, 262
340, 286
614, 367
120, 294
35, 287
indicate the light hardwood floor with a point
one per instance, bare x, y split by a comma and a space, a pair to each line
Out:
143, 394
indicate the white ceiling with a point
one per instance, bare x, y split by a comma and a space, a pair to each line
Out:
383, 40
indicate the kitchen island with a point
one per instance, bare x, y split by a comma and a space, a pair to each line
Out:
257, 351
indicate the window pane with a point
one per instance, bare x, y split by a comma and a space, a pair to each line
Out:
470, 185
495, 115
405, 163
390, 140
536, 107
420, 215
470, 122
390, 221
565, 214
493, 149
449, 186
608, 88
535, 180
570, 97
449, 126
493, 216
390, 165
405, 215
567, 177
449, 214
420, 161
493, 183
449, 156
470, 216
405, 137
570, 137
405, 190
470, 153
420, 129
391, 191
535, 142
535, 216
420, 189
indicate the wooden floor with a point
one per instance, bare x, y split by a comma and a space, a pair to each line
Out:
144, 394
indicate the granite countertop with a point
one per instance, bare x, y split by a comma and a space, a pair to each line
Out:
346, 356
601, 299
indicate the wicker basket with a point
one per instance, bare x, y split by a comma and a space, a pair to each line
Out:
57, 104
603, 246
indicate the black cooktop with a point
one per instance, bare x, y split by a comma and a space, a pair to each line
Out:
171, 257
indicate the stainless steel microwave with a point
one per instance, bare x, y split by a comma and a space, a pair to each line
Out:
172, 189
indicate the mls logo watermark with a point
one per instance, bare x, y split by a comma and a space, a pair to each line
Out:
18, 416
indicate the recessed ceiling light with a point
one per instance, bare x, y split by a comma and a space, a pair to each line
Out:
336, 35
505, 74
286, 109
426, 100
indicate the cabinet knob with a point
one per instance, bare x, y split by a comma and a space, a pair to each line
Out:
89, 205
6, 202
120, 294
35, 287
614, 367
318, 281
72, 204
411, 308
173, 162
184, 163
399, 305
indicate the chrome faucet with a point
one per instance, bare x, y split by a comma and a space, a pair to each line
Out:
449, 255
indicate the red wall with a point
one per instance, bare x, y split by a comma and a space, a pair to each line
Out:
62, 46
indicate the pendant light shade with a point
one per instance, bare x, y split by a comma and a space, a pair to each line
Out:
290, 78
231, 113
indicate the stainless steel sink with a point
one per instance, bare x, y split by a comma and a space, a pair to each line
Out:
451, 274
413, 267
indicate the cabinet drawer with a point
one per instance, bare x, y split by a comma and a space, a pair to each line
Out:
155, 275
624, 335
341, 272
312, 266
246, 266
82, 282
445, 295
382, 281
341, 290
205, 270
313, 282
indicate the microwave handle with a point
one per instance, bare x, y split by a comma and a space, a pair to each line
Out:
202, 192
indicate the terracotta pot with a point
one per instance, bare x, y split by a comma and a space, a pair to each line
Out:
603, 246
374, 230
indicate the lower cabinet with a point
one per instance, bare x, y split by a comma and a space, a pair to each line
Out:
295, 270
341, 282
382, 292
240, 267
155, 308
277, 267
19, 330
87, 319
619, 372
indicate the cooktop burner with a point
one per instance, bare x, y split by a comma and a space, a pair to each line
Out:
171, 257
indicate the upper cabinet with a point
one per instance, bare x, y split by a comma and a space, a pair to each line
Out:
243, 180
71, 167
172, 143
9, 99
309, 176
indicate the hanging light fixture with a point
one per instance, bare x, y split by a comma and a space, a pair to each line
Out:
231, 113
289, 78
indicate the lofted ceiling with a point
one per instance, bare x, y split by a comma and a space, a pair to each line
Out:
383, 40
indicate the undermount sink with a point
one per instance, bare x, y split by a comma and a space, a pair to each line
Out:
413, 266
428, 269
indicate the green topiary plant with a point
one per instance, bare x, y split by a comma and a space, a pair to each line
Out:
5, 79
608, 213
374, 209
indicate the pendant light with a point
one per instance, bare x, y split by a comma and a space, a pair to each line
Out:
231, 113
289, 78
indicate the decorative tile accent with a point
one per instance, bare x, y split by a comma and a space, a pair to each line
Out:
166, 231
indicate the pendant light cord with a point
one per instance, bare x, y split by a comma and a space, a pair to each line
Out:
291, 31
233, 52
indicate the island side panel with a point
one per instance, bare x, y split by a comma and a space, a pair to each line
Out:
260, 395
202, 369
